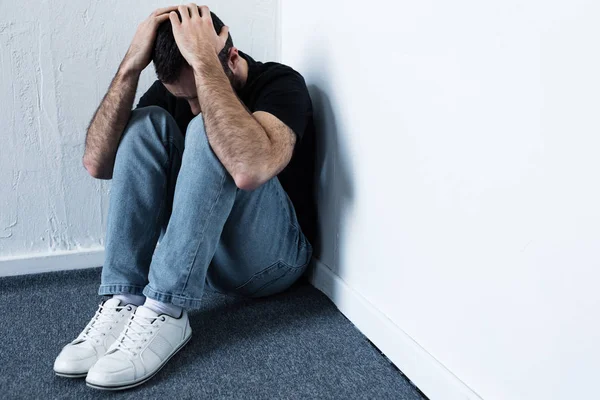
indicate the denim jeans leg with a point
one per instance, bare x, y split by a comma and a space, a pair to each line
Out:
237, 233
147, 162
204, 195
262, 250
176, 189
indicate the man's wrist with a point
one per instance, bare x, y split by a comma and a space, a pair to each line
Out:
205, 61
127, 70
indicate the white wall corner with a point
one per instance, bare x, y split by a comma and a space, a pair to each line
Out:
427, 373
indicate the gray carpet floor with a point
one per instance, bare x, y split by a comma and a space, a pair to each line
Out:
289, 346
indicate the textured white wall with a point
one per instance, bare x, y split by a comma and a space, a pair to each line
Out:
459, 190
56, 61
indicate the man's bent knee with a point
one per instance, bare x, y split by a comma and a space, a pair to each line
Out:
150, 123
196, 131
148, 111
197, 139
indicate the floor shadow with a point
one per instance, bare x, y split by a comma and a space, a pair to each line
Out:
228, 321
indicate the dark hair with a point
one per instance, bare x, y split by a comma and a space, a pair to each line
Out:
168, 61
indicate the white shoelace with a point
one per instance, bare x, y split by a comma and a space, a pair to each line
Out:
102, 318
136, 332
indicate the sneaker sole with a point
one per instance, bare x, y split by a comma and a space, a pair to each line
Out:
82, 375
143, 379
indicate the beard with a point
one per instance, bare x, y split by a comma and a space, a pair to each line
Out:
236, 83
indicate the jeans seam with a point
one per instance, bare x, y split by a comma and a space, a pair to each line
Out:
171, 142
302, 238
158, 129
165, 188
262, 271
288, 271
162, 208
301, 266
121, 284
191, 267
280, 195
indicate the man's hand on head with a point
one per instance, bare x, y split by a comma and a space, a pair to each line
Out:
195, 34
140, 51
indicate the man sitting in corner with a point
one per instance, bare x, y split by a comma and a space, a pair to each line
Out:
215, 164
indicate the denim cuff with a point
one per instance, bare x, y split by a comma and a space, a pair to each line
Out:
185, 302
117, 288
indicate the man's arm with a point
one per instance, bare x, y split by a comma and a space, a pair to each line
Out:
108, 123
109, 120
252, 147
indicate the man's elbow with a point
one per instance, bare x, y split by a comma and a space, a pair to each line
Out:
248, 180
95, 170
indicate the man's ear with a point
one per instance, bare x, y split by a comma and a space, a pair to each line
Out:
233, 58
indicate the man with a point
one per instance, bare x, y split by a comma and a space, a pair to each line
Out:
215, 165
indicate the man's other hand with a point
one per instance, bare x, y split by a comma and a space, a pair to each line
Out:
195, 34
140, 51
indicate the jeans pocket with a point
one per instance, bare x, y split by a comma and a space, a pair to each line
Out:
273, 279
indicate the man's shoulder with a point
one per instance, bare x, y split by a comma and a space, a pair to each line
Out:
266, 71
272, 70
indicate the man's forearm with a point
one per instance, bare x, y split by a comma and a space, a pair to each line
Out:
238, 140
108, 123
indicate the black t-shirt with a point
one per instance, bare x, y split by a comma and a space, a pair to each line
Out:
279, 90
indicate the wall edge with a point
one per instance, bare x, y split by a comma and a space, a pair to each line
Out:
51, 261
426, 372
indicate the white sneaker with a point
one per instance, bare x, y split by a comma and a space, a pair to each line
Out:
144, 346
76, 357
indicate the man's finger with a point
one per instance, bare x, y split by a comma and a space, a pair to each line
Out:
205, 12
162, 18
174, 19
164, 10
185, 13
194, 12
224, 32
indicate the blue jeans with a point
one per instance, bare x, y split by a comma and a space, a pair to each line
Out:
177, 222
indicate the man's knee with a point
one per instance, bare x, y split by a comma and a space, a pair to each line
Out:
197, 139
154, 113
151, 123
196, 132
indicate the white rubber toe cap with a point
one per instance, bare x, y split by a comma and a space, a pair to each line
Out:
111, 370
74, 359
